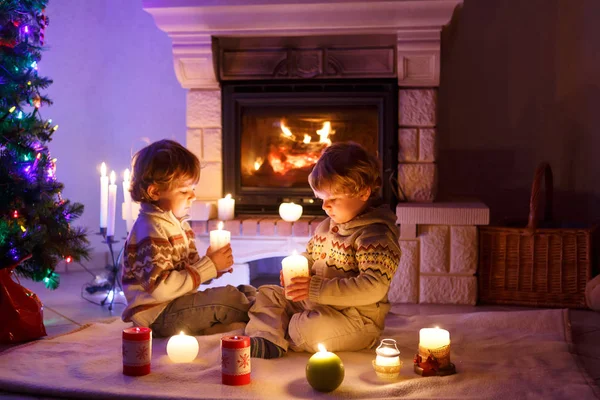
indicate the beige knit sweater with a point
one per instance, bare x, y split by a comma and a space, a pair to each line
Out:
160, 263
353, 263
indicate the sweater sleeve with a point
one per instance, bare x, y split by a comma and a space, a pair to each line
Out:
377, 256
150, 263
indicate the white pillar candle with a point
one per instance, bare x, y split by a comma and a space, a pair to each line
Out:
433, 338
112, 205
182, 348
219, 237
127, 212
103, 196
226, 207
292, 266
290, 212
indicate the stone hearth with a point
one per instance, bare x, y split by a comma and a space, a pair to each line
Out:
228, 40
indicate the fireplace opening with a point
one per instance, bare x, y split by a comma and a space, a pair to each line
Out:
273, 134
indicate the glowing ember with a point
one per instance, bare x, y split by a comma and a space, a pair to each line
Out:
259, 161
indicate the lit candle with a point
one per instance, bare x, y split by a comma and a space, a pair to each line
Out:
112, 204
126, 211
182, 348
387, 364
226, 207
436, 342
292, 266
103, 196
325, 370
290, 212
219, 237
137, 351
235, 360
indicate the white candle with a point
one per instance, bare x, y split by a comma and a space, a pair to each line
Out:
135, 210
292, 266
219, 237
226, 207
103, 196
127, 212
433, 338
112, 204
290, 212
182, 348
388, 354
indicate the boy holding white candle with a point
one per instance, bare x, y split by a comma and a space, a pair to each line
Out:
161, 268
352, 256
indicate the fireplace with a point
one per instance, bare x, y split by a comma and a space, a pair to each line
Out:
274, 133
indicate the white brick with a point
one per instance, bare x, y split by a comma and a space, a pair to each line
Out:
417, 107
203, 108
418, 182
427, 145
408, 145
404, 285
210, 186
408, 231
448, 289
212, 138
193, 142
463, 249
434, 248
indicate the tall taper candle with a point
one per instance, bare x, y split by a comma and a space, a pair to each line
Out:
103, 196
127, 201
112, 204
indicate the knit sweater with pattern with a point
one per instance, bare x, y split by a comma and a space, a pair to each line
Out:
160, 263
353, 263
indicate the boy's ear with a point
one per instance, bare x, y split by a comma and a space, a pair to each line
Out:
153, 192
364, 196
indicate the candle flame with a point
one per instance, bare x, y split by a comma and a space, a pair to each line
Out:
285, 130
126, 175
324, 133
321, 347
294, 253
306, 139
113, 177
103, 169
228, 196
220, 225
181, 333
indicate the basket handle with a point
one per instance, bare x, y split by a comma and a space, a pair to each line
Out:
543, 170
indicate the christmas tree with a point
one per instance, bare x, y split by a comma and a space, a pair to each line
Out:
35, 230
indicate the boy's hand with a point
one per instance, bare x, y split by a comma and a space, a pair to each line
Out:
298, 289
221, 273
222, 258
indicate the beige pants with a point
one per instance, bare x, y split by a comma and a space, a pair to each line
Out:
302, 325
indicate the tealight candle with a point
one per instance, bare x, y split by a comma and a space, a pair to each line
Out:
137, 351
226, 208
436, 342
219, 237
292, 266
387, 364
235, 360
290, 212
324, 370
182, 348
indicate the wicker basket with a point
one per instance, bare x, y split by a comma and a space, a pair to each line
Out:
541, 265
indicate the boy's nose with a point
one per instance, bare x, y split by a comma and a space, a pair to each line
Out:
326, 205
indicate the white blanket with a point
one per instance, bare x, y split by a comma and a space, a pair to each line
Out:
498, 355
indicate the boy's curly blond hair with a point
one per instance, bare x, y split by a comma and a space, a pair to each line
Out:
346, 168
164, 163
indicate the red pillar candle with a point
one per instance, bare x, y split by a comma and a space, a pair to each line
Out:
137, 351
235, 361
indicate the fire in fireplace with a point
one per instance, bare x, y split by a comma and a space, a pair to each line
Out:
273, 134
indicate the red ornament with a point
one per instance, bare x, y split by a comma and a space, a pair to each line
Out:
15, 214
68, 259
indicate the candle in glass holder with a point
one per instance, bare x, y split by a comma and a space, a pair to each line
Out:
292, 266
226, 208
235, 360
387, 364
290, 212
324, 370
435, 342
137, 351
182, 348
219, 237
